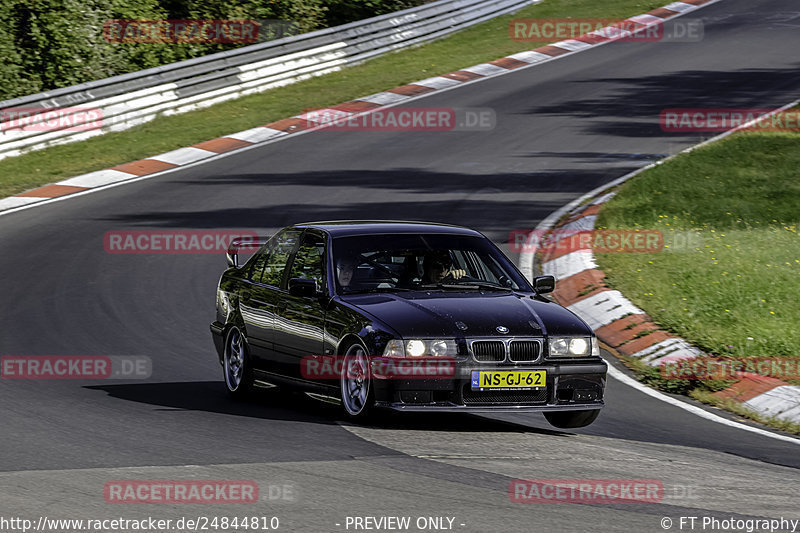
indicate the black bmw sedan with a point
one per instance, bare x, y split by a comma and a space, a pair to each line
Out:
407, 316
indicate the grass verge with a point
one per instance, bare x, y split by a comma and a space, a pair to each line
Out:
478, 44
728, 277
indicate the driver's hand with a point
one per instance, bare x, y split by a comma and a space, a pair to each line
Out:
458, 273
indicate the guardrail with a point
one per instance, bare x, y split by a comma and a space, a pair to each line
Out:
132, 99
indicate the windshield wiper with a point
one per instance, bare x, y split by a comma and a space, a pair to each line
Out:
483, 285
376, 289
467, 285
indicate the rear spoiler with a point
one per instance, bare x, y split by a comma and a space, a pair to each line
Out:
248, 243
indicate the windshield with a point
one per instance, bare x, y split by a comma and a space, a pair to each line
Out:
419, 262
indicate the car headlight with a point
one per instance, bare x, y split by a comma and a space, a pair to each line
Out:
574, 347
421, 347
439, 347
415, 348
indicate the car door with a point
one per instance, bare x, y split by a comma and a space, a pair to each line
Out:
260, 298
300, 320
258, 316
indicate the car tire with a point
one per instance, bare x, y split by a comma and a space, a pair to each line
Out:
572, 419
236, 367
356, 383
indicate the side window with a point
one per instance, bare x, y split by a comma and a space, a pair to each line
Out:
257, 266
275, 263
309, 261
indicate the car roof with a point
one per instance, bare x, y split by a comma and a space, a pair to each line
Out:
342, 228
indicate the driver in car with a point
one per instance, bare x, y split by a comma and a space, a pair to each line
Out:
438, 266
345, 268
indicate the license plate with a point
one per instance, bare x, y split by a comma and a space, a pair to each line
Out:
509, 379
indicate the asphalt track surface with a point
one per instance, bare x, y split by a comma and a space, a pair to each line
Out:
563, 128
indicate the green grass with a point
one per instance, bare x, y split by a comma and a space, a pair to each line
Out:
728, 278
481, 43
733, 290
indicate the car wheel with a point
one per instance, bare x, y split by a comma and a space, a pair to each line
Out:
356, 383
572, 419
236, 365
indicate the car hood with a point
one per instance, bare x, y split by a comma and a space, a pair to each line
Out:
437, 314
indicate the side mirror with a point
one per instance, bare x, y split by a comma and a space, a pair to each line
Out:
543, 284
303, 287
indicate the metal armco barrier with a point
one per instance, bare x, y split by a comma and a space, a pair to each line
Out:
132, 99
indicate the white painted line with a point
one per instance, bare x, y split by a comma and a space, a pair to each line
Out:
780, 402
566, 232
181, 156
680, 7
18, 201
438, 82
604, 198
792, 414
603, 308
619, 376
607, 32
646, 19
325, 116
530, 56
384, 98
572, 45
256, 135
485, 69
582, 224
568, 265
669, 349
98, 178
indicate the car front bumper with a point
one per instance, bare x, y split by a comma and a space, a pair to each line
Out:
217, 330
570, 386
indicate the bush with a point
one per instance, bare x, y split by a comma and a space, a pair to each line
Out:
344, 11
47, 44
